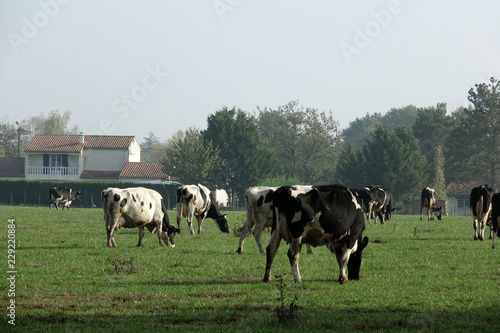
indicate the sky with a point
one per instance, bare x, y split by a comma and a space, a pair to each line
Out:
126, 67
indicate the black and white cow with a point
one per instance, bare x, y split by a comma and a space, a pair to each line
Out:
63, 195
328, 215
374, 202
429, 200
137, 207
495, 216
259, 202
197, 200
480, 204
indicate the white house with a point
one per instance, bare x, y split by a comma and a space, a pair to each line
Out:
82, 157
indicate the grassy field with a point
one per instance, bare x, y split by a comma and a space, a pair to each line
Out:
417, 276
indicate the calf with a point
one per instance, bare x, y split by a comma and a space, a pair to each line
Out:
429, 200
328, 215
137, 207
64, 195
197, 200
480, 204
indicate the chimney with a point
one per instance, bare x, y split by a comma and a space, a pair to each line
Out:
82, 138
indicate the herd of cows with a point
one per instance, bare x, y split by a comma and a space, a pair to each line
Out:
329, 215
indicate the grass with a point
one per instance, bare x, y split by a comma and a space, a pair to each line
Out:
417, 276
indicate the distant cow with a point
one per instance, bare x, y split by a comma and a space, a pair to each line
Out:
480, 204
64, 195
328, 215
376, 200
259, 201
197, 200
137, 207
429, 200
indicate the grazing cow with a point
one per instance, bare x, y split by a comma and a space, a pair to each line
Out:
197, 200
137, 207
429, 200
328, 215
374, 201
495, 216
64, 195
480, 203
259, 202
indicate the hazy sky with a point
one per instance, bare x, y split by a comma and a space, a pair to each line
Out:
131, 67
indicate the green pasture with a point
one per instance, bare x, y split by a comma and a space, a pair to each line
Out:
417, 276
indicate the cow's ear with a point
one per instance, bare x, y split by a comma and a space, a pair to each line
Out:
123, 203
364, 243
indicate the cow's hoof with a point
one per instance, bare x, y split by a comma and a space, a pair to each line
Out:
239, 251
343, 280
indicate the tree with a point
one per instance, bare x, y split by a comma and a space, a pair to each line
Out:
351, 169
360, 129
189, 158
432, 128
393, 158
148, 146
306, 142
474, 147
247, 157
485, 128
55, 124
438, 182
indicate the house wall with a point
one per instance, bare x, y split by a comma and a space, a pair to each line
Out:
459, 205
104, 159
36, 160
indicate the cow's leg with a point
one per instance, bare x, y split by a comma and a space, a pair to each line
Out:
342, 259
421, 212
110, 230
293, 256
141, 234
200, 219
249, 223
190, 223
494, 236
159, 232
271, 249
482, 226
476, 224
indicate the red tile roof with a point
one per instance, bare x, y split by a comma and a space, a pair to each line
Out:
144, 170
11, 167
462, 188
70, 143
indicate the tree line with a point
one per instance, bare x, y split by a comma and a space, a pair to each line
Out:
405, 149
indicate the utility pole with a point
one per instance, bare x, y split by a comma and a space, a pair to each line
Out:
19, 130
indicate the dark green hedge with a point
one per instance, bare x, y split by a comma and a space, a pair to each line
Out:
36, 193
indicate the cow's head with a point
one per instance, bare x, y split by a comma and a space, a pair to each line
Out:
438, 211
77, 195
354, 263
221, 223
171, 231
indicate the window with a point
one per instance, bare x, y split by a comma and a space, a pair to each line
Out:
55, 160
